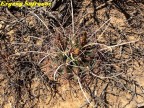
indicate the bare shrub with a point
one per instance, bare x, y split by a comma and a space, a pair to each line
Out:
42, 48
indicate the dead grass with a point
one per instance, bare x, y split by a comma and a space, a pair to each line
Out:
84, 59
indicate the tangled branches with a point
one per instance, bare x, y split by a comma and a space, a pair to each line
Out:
98, 52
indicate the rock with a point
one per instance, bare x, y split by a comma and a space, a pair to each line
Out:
1, 24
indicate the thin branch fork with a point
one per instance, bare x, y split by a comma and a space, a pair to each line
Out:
108, 47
